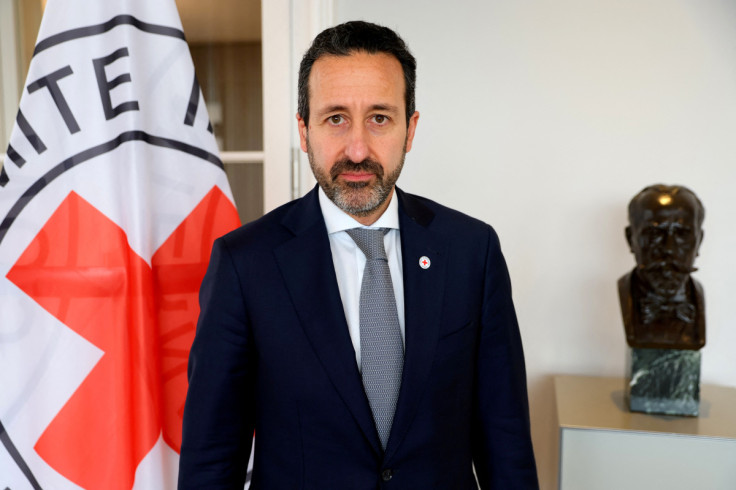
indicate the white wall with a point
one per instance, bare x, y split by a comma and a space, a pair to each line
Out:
544, 119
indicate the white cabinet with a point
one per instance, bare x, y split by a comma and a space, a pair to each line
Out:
604, 446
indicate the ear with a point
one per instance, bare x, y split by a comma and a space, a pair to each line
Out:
700, 242
628, 238
413, 120
302, 125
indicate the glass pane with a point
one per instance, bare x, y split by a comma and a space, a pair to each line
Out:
225, 42
230, 77
246, 182
19, 23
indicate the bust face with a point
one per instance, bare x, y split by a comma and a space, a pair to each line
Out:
665, 236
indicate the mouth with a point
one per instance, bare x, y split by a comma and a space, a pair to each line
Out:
360, 173
356, 176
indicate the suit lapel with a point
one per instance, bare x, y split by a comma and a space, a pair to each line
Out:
309, 274
423, 292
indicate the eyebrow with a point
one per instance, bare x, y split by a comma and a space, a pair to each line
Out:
374, 107
384, 108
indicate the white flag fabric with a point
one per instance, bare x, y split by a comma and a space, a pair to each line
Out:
111, 195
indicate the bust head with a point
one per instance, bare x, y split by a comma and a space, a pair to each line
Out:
662, 305
664, 234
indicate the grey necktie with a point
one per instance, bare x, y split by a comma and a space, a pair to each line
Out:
381, 347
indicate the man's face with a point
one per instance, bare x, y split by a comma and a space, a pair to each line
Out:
665, 239
357, 135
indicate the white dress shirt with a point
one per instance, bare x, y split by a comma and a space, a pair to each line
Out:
349, 260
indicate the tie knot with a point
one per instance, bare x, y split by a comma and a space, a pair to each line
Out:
370, 241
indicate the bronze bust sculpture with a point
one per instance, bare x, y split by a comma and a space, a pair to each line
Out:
661, 304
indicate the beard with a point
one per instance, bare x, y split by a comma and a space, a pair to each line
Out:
356, 198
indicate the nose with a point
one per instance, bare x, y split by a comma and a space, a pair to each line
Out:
670, 247
357, 148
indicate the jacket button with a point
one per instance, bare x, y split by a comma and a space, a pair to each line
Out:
386, 475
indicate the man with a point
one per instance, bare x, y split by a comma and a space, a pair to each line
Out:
362, 359
662, 305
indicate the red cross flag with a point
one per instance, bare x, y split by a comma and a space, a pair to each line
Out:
110, 198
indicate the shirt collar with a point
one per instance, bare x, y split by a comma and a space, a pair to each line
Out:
337, 220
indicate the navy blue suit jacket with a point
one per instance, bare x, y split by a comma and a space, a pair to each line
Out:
273, 354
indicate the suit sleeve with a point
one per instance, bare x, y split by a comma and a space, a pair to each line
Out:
219, 410
502, 447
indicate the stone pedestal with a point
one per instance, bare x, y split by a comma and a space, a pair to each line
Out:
665, 381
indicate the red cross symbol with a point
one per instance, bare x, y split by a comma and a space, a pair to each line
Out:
424, 262
81, 269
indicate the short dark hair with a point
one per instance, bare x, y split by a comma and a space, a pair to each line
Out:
636, 205
355, 36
